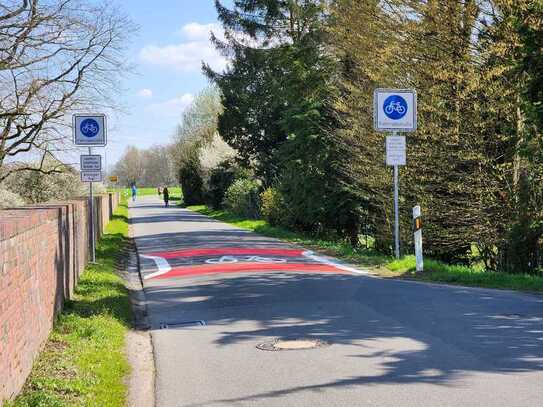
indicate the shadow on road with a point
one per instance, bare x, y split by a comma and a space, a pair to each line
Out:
415, 332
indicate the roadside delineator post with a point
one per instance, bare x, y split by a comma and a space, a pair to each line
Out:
417, 231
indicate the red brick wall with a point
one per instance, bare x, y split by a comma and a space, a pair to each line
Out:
43, 251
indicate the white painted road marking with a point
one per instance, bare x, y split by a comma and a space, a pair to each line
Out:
162, 264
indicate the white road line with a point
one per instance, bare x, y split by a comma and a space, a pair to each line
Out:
162, 264
311, 255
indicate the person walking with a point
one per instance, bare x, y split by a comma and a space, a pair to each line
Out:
134, 192
166, 195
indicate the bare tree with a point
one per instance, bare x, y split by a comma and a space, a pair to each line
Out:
158, 165
56, 57
130, 168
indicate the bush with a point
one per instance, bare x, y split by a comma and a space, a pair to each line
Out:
36, 187
272, 207
192, 182
241, 198
10, 199
220, 178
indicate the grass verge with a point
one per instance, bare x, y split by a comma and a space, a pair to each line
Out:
385, 266
83, 362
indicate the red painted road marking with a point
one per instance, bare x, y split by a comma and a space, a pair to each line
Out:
246, 268
229, 263
233, 251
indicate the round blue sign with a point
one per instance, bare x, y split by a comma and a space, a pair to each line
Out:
395, 107
89, 128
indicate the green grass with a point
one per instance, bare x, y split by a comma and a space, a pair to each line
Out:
83, 362
175, 192
464, 275
382, 265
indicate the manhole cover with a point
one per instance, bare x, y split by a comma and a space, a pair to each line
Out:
292, 344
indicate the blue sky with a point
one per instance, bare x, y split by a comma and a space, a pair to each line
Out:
172, 41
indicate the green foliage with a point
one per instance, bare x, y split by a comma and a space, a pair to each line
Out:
278, 113
220, 178
298, 107
241, 198
272, 207
192, 182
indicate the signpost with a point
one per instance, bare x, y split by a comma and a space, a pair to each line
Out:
90, 130
395, 110
113, 178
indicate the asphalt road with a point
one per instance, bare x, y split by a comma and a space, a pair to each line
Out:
389, 343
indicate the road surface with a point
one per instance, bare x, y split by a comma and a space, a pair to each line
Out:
219, 299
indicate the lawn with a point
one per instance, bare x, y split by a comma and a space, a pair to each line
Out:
175, 192
382, 265
83, 362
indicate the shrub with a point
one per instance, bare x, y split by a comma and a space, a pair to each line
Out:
220, 178
241, 198
272, 207
10, 199
192, 182
36, 187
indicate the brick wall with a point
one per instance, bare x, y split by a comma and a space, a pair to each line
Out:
43, 251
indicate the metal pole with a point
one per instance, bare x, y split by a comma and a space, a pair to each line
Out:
396, 214
93, 243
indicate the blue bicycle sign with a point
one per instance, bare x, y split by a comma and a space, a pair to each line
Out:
89, 128
395, 107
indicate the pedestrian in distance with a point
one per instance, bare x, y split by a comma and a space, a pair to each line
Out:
166, 195
159, 191
134, 192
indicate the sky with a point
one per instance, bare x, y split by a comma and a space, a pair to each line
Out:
167, 55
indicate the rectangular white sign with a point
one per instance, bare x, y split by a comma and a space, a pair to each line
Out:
91, 176
395, 146
395, 110
89, 129
91, 162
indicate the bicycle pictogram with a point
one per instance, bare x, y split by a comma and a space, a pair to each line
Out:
246, 259
395, 107
89, 127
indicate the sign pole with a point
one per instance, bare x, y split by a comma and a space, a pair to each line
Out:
396, 210
395, 110
93, 243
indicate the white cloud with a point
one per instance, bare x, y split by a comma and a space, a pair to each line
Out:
145, 93
189, 54
200, 32
172, 107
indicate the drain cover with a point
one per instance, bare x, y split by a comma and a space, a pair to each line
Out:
292, 344
183, 324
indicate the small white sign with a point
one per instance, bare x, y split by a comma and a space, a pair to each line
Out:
91, 176
395, 110
395, 146
91, 162
89, 129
